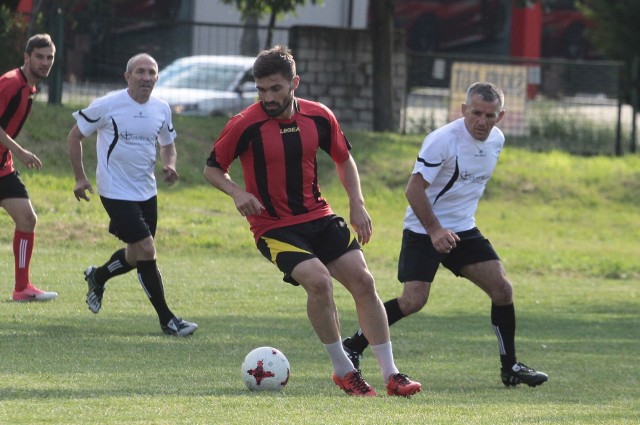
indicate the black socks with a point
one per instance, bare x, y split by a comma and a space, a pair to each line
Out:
151, 281
116, 266
503, 319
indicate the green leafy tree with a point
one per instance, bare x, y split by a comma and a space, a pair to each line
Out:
12, 38
252, 10
616, 27
616, 34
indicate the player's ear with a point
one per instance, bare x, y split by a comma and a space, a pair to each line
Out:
295, 82
500, 115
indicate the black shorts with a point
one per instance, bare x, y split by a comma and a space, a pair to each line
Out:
419, 260
132, 221
326, 238
11, 186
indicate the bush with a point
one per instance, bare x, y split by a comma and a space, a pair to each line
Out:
551, 127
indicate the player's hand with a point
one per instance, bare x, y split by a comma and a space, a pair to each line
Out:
170, 175
80, 191
444, 240
247, 204
30, 159
361, 224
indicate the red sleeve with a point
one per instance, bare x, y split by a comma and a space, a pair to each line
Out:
340, 146
6, 93
224, 148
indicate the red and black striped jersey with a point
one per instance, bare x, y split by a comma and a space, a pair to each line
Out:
16, 96
278, 160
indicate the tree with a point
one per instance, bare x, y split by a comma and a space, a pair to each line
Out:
250, 42
12, 38
616, 34
252, 9
382, 48
616, 27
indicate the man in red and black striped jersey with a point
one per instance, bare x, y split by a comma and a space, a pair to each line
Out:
17, 90
277, 140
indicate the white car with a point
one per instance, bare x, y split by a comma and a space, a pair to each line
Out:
207, 85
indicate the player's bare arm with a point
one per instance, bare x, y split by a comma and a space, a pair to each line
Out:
169, 155
444, 240
358, 215
245, 202
28, 158
74, 147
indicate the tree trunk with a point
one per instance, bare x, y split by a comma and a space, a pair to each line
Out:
250, 42
272, 24
382, 48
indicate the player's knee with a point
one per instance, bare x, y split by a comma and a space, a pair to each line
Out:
318, 287
367, 283
143, 250
363, 288
502, 294
27, 222
413, 305
413, 301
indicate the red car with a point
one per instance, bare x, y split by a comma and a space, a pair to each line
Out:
564, 31
437, 25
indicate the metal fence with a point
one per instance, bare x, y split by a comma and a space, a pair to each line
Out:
570, 105
94, 55
98, 53
567, 105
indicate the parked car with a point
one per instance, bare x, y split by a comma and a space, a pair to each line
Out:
207, 85
438, 25
564, 31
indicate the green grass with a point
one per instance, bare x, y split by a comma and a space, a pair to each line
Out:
566, 228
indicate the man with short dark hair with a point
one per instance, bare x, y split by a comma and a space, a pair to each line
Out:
277, 140
17, 90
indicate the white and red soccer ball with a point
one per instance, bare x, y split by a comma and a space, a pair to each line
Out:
265, 369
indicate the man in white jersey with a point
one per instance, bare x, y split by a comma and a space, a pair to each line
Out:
130, 123
448, 179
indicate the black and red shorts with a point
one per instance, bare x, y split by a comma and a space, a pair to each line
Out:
326, 238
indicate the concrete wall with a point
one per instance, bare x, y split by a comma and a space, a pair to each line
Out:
335, 68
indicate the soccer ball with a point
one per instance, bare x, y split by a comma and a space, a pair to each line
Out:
265, 369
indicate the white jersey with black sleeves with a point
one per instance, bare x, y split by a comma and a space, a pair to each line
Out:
127, 136
457, 168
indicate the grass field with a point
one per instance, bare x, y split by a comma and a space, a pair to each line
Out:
566, 227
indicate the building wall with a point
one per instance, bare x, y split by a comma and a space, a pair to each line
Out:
335, 68
333, 13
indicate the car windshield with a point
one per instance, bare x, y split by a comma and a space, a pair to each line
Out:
202, 76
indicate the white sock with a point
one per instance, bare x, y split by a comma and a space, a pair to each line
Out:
384, 356
341, 363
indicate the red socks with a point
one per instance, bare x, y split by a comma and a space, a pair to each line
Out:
22, 250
